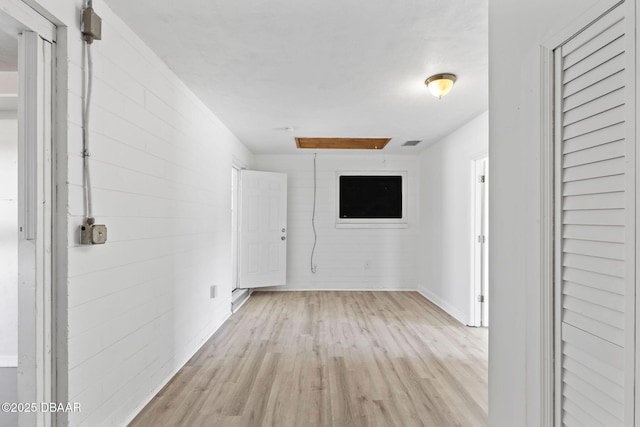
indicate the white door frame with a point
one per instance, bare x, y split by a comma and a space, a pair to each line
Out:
235, 194
479, 249
36, 204
542, 336
35, 209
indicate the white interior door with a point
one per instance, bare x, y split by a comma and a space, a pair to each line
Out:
595, 225
262, 229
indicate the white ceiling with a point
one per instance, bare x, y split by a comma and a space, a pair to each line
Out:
328, 68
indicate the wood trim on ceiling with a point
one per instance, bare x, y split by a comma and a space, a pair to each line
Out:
342, 143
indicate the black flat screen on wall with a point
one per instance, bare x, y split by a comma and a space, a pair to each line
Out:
370, 196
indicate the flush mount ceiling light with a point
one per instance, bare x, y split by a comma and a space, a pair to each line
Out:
440, 84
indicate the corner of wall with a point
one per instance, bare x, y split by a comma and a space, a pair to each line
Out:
445, 216
449, 308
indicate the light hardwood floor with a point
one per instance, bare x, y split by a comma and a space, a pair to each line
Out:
331, 359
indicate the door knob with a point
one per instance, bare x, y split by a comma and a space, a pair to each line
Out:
283, 238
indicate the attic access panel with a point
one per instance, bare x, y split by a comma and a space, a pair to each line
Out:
342, 143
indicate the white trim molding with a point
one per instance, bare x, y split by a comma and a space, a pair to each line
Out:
475, 279
36, 317
546, 307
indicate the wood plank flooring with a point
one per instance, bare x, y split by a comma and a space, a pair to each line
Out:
331, 359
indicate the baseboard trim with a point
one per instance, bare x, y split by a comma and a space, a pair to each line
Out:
8, 361
153, 394
448, 308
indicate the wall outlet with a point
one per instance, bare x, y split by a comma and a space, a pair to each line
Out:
213, 291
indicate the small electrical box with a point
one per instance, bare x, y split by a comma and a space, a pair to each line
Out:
91, 25
93, 234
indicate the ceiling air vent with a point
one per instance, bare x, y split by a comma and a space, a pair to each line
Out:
343, 143
412, 143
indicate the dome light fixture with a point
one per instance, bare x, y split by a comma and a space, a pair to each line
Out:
440, 84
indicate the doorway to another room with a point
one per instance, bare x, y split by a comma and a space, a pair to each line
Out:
238, 295
27, 353
26, 213
8, 224
259, 231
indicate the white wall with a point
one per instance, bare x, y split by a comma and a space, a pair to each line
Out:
8, 239
516, 30
446, 214
345, 258
139, 306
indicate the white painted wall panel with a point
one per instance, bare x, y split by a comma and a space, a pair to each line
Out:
445, 215
369, 258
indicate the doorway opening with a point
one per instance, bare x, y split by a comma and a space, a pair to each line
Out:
234, 228
8, 224
238, 295
27, 352
259, 231
480, 244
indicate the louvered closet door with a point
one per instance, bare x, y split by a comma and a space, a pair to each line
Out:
594, 228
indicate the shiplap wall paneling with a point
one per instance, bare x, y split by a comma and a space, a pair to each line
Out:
346, 259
